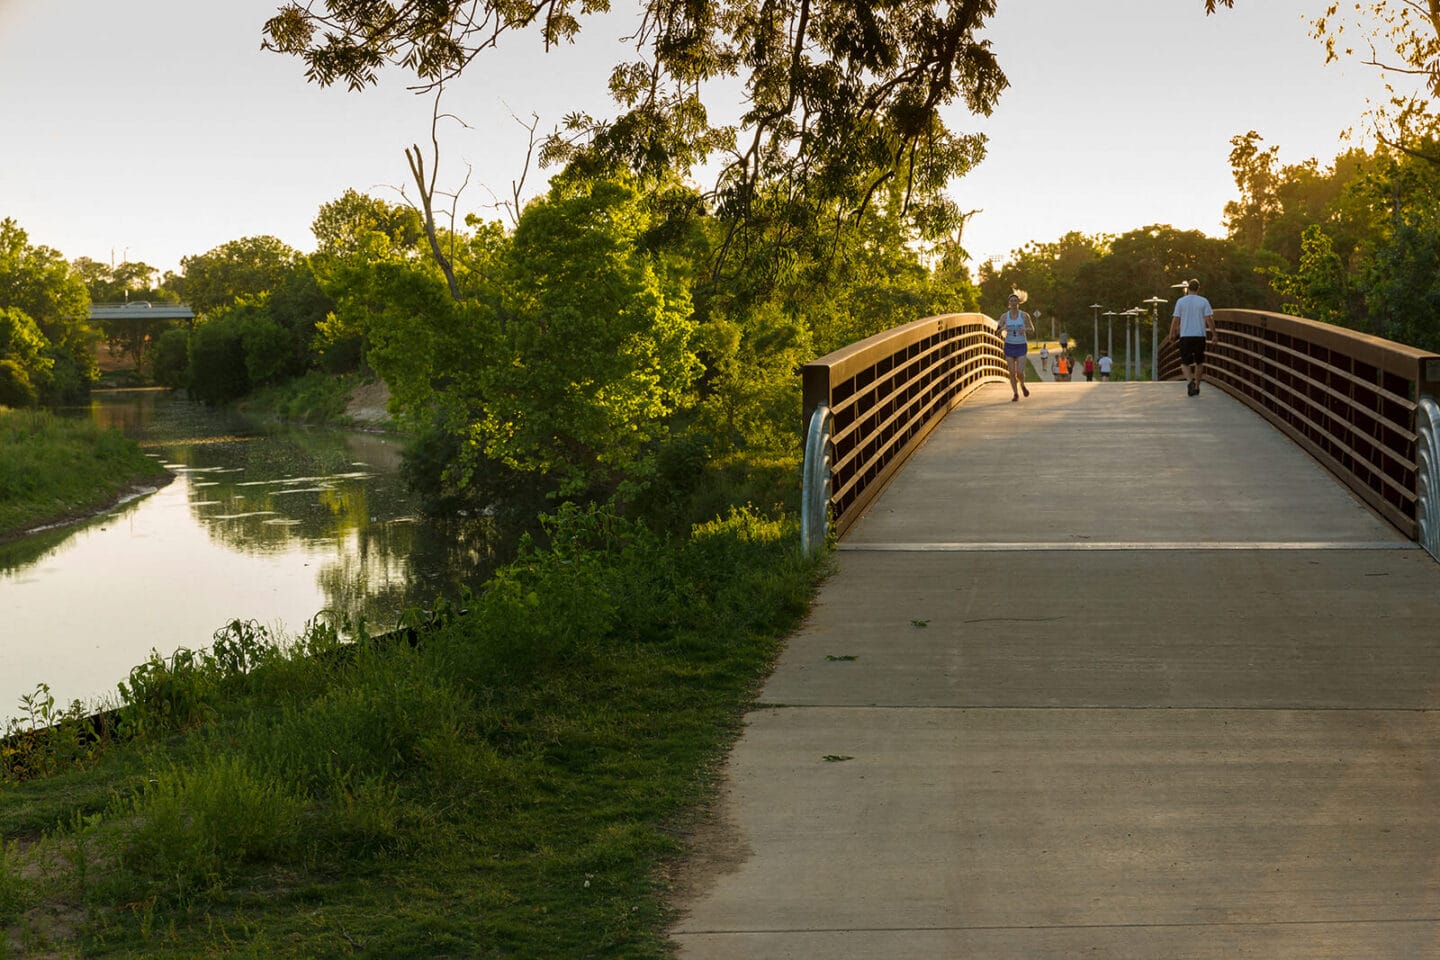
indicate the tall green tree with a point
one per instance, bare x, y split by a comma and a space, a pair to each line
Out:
576, 348
131, 280
299, 305
429, 348
1051, 274
1254, 168
37, 281
1278, 202
356, 232
1374, 268
1320, 286
341, 225
596, 347
249, 267
236, 349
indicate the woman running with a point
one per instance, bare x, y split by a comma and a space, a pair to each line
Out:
1013, 325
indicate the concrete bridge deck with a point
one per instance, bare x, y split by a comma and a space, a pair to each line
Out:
1107, 672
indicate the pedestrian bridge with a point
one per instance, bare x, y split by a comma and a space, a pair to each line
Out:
141, 310
1111, 671
1364, 408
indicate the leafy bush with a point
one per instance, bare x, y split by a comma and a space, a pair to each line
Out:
237, 349
69, 380
269, 350
217, 363
314, 398
16, 390
24, 363
170, 359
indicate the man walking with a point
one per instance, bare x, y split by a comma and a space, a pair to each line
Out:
1105, 365
1193, 324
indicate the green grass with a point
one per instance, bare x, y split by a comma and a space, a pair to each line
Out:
53, 469
512, 786
316, 398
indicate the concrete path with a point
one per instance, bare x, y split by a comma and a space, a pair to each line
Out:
1109, 672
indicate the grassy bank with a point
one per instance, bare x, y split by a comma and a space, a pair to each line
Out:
512, 786
52, 469
319, 398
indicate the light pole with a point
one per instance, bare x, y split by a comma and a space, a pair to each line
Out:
1155, 336
1095, 332
1110, 316
1127, 314
1139, 359
1132, 362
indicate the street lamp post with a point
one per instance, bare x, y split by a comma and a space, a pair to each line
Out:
1155, 336
1127, 314
1110, 334
1132, 362
1095, 331
1139, 349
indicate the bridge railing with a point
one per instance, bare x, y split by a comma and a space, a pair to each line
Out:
1364, 407
870, 405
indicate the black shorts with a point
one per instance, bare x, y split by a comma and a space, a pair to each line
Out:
1192, 350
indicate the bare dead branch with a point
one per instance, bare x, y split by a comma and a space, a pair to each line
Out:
416, 160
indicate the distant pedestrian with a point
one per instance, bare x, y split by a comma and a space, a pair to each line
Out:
1193, 325
1105, 365
1016, 327
1089, 368
1044, 357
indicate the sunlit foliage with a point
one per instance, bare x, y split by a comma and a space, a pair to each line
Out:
41, 285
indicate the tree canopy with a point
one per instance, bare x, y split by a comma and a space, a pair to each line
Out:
37, 282
840, 98
342, 224
245, 267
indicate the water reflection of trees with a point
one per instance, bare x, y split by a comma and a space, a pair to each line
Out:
409, 565
35, 547
340, 496
268, 494
335, 496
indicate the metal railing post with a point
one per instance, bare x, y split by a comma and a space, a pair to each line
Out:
1427, 458
815, 483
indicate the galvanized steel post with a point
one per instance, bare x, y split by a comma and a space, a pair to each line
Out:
1427, 457
815, 483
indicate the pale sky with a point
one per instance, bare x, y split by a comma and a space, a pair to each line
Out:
155, 129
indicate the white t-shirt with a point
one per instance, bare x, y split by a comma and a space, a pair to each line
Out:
1192, 309
1105, 364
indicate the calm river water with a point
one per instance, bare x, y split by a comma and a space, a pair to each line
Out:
276, 527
